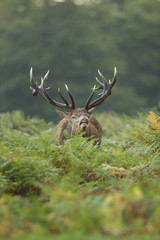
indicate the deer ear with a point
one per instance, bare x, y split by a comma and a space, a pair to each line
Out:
90, 111
62, 114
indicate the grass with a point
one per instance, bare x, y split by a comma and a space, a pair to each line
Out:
89, 192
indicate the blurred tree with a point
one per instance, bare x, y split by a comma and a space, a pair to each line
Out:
139, 24
73, 40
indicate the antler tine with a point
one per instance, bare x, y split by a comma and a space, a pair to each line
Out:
90, 97
115, 73
72, 100
99, 83
33, 86
43, 81
105, 93
59, 92
46, 75
101, 75
40, 89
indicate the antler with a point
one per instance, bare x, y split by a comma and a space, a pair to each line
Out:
40, 89
104, 94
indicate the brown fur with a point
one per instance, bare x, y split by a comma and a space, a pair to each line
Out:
72, 123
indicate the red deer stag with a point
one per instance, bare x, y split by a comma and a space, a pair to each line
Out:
78, 119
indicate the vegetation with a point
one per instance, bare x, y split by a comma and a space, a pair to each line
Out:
89, 192
74, 38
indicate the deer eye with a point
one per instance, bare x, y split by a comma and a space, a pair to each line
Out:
73, 117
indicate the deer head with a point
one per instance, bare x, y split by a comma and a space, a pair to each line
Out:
78, 119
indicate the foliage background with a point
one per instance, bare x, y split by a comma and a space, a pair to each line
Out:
73, 39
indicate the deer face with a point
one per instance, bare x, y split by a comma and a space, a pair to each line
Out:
78, 120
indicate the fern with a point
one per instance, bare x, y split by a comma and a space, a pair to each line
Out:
112, 189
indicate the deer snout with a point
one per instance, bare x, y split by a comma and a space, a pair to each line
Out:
84, 121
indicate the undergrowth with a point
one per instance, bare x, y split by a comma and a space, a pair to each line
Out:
108, 190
